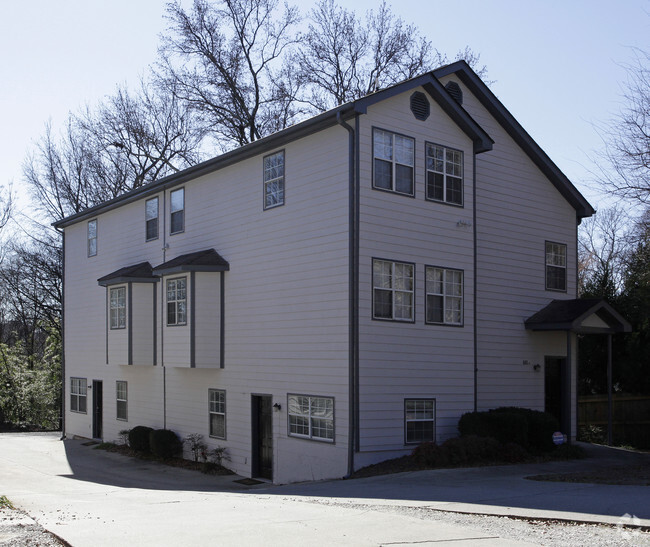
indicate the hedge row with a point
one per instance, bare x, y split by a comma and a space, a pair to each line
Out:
162, 443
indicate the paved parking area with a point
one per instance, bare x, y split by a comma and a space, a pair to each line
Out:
91, 497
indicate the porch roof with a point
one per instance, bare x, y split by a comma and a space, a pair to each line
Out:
583, 316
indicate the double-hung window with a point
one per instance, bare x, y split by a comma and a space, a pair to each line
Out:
311, 417
177, 211
444, 296
177, 301
78, 395
394, 158
121, 400
117, 297
555, 266
444, 174
274, 180
151, 218
92, 237
419, 420
392, 290
217, 412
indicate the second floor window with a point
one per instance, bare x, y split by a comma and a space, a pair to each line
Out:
274, 180
177, 301
555, 266
151, 218
444, 174
118, 307
392, 290
393, 162
177, 211
444, 288
92, 237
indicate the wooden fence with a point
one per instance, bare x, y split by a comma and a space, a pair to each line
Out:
630, 418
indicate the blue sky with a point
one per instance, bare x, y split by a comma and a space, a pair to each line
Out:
557, 65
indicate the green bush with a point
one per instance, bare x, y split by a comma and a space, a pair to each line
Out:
514, 453
456, 450
430, 455
164, 443
139, 438
528, 428
480, 449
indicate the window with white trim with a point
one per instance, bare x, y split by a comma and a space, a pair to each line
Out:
555, 266
121, 397
92, 237
311, 417
444, 174
117, 307
444, 296
274, 180
392, 284
151, 219
394, 158
78, 395
419, 420
177, 301
217, 413
177, 211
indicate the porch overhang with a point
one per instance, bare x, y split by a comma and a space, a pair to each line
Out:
582, 316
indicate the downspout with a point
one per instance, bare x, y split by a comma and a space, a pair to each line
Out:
62, 232
352, 293
475, 232
162, 310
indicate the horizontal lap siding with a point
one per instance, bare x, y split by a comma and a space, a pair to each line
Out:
286, 304
412, 360
518, 209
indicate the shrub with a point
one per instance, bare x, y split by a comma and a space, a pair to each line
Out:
430, 455
481, 448
196, 445
139, 438
514, 453
164, 443
456, 450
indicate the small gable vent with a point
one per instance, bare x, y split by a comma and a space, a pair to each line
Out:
455, 91
420, 106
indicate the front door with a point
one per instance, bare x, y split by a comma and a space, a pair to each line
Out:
553, 389
262, 450
98, 406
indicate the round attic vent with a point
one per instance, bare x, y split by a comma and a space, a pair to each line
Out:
420, 106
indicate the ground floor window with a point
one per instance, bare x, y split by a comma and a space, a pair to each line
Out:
419, 420
78, 395
217, 411
311, 417
121, 397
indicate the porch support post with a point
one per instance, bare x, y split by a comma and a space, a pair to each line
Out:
609, 390
566, 389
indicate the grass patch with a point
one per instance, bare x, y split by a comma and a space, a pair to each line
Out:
5, 503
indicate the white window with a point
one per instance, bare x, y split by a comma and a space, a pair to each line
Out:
217, 412
392, 290
274, 180
419, 420
78, 395
393, 162
177, 301
177, 211
117, 297
555, 266
444, 296
444, 174
92, 237
121, 398
151, 218
311, 417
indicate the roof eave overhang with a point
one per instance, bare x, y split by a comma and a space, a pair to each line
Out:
189, 268
470, 79
120, 280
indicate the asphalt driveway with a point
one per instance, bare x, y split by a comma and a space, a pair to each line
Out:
92, 497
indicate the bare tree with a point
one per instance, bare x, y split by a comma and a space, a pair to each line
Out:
228, 62
625, 168
6, 205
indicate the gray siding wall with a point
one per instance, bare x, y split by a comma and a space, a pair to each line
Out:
286, 299
412, 360
518, 210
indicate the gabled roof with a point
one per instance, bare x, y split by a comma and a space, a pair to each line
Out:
466, 75
208, 260
591, 315
482, 141
138, 273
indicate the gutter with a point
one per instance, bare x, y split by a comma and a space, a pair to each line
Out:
353, 331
